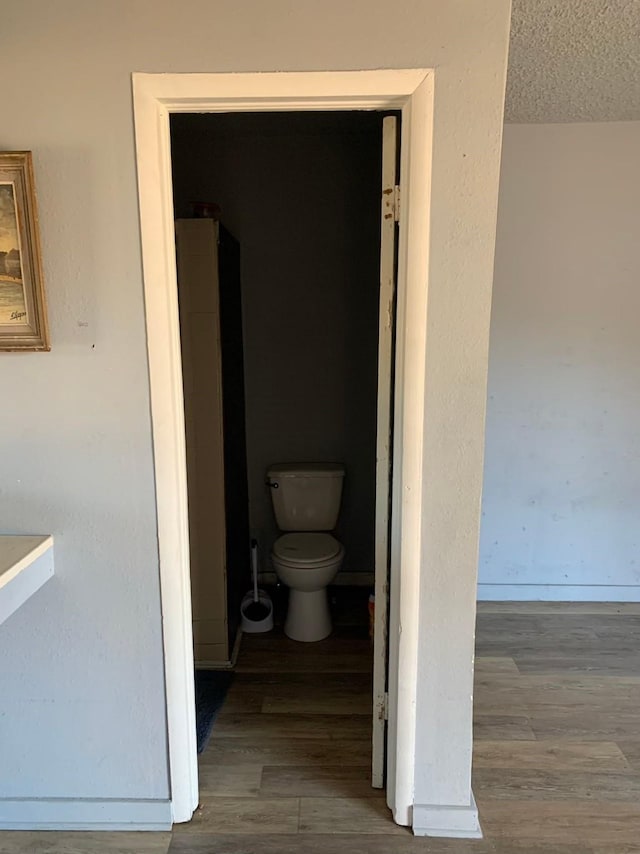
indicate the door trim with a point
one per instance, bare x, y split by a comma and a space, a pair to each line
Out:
155, 97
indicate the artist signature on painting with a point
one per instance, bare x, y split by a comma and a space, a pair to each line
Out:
18, 315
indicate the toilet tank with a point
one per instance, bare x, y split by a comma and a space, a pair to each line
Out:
306, 496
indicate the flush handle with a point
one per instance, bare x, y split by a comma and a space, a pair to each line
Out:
273, 484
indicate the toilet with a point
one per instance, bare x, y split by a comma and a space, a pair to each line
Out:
306, 502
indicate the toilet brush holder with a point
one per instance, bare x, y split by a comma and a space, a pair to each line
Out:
256, 616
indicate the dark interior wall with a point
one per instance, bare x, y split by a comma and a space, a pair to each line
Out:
301, 193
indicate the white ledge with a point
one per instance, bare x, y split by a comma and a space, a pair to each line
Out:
26, 563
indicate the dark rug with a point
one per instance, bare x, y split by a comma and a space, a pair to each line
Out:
211, 689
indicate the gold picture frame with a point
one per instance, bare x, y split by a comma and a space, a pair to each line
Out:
23, 316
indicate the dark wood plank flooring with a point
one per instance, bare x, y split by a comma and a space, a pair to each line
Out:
556, 758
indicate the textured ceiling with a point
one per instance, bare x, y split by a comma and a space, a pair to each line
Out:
574, 61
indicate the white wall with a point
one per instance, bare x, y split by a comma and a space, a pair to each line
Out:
81, 700
562, 465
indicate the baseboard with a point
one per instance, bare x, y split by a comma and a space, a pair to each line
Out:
616, 609
226, 664
213, 664
455, 822
558, 593
84, 814
343, 579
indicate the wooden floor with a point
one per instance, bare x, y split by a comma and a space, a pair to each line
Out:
557, 714
556, 757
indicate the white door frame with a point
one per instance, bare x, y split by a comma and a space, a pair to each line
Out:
155, 96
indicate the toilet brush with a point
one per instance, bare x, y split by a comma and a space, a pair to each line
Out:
256, 610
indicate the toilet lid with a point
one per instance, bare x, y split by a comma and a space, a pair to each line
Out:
306, 548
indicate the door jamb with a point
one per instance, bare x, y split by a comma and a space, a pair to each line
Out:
155, 96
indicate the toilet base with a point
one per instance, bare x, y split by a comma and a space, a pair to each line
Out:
308, 618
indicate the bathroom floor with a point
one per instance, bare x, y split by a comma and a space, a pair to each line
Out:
556, 753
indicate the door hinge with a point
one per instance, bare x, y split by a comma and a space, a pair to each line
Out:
383, 707
396, 203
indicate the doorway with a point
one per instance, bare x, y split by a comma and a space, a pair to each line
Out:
155, 97
295, 199
300, 193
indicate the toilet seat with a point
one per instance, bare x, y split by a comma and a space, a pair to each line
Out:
306, 550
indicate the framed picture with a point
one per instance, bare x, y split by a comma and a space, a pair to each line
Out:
23, 320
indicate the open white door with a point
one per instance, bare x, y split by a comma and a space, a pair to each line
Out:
389, 217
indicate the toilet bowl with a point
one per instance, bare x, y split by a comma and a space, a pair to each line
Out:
307, 563
306, 501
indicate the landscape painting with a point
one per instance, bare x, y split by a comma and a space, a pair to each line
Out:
23, 320
13, 306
